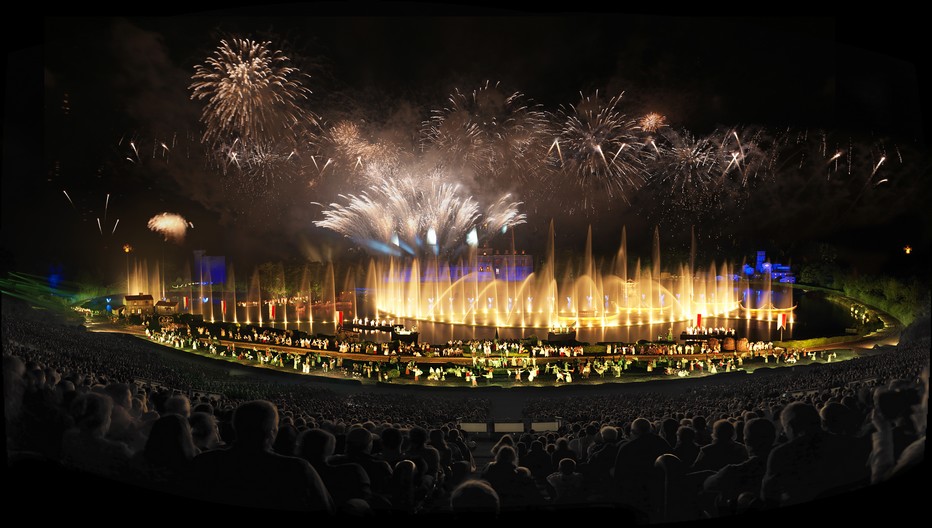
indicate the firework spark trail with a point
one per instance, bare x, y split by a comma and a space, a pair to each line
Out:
502, 215
115, 226
99, 228
106, 206
251, 93
69, 199
591, 129
876, 167
170, 225
746, 156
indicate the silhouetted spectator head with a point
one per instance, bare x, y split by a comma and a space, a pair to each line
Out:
609, 434
592, 429
67, 393
459, 472
567, 466
723, 431
800, 419
503, 441
759, 436
391, 439
178, 404
170, 444
204, 431
358, 440
537, 445
417, 436
91, 413
285, 440
640, 427
403, 477
437, 438
474, 496
256, 424
685, 435
316, 446
506, 455
838, 419
698, 422
521, 449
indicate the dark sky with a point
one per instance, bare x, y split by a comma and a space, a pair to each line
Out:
98, 83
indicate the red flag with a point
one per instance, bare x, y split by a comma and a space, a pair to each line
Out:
698, 320
783, 320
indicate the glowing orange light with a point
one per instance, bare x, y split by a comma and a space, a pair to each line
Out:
127, 248
908, 250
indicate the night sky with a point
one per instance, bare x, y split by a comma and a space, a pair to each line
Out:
76, 99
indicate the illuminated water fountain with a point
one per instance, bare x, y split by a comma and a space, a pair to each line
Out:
145, 279
469, 292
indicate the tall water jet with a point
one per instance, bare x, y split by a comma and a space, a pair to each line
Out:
231, 289
348, 294
254, 298
692, 250
188, 289
655, 255
329, 293
210, 293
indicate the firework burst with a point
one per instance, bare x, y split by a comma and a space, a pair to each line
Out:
599, 146
688, 165
170, 225
251, 93
652, 122
352, 152
491, 131
417, 213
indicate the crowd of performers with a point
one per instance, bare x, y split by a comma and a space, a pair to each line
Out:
490, 360
458, 348
714, 331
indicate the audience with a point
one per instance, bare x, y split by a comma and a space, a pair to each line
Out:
114, 407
